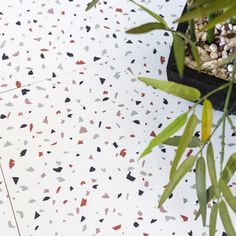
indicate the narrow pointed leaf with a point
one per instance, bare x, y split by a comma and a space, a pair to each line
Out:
184, 142
201, 187
173, 88
179, 53
153, 14
227, 194
145, 28
211, 166
184, 168
211, 32
227, 174
222, 17
210, 195
171, 129
195, 54
207, 116
174, 141
203, 11
213, 219
229, 168
91, 4
192, 31
226, 220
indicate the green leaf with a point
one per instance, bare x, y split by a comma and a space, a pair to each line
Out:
227, 174
211, 166
201, 187
179, 53
91, 4
153, 14
192, 31
206, 10
198, 3
229, 168
226, 220
178, 90
210, 193
145, 28
195, 53
222, 17
230, 199
184, 168
213, 219
210, 196
174, 141
207, 116
228, 59
171, 129
184, 142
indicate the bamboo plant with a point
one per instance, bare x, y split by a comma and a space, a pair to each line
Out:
218, 193
204, 159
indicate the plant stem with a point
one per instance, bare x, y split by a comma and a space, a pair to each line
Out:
181, 35
211, 32
192, 31
231, 124
222, 154
209, 94
225, 114
192, 28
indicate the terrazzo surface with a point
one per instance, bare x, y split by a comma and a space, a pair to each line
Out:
74, 120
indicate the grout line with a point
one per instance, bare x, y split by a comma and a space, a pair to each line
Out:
10, 200
37, 82
85, 68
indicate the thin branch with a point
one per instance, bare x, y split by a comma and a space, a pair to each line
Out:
231, 124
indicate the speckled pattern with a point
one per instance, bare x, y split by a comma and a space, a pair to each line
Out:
74, 120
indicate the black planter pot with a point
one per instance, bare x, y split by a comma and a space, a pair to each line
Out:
203, 82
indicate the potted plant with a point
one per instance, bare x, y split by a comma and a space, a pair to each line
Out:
202, 16
201, 43
214, 44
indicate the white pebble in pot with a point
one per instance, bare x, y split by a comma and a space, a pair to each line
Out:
213, 47
230, 67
